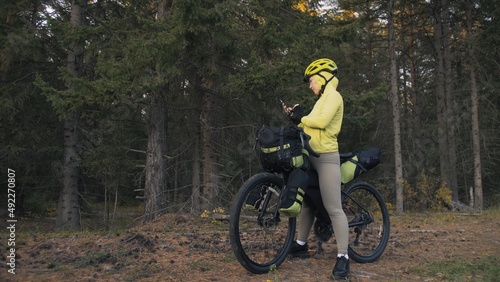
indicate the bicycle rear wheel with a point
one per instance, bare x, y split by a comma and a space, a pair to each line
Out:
368, 217
260, 237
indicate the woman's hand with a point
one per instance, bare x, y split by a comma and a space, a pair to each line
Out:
296, 114
289, 110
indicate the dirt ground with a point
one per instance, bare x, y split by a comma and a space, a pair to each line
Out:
182, 248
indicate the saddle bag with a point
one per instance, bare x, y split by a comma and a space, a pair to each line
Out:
363, 160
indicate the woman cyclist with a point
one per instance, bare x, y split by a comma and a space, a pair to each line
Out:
323, 124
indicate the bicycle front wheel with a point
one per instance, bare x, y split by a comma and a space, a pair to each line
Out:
368, 218
260, 236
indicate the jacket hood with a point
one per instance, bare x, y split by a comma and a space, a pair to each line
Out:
320, 79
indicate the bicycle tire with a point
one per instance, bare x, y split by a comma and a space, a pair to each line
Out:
260, 237
369, 223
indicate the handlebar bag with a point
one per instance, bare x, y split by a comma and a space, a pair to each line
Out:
363, 160
280, 148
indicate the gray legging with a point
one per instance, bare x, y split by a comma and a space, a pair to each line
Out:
328, 168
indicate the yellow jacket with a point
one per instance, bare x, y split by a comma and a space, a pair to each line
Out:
324, 122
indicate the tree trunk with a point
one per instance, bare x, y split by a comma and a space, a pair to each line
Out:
155, 187
195, 194
440, 94
106, 209
116, 202
478, 184
199, 121
156, 162
450, 103
413, 123
210, 177
396, 114
68, 208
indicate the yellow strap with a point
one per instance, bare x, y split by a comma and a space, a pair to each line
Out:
274, 149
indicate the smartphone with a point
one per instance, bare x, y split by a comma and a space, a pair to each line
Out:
282, 104
284, 107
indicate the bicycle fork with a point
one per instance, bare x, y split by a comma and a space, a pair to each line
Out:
266, 219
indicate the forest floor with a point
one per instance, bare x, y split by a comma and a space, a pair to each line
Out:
184, 248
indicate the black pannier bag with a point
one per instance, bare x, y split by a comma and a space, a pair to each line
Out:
362, 161
280, 148
293, 195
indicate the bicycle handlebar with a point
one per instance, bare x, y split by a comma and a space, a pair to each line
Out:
305, 141
304, 138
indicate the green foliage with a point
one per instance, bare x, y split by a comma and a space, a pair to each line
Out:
273, 273
95, 259
38, 204
428, 193
363, 113
489, 101
252, 52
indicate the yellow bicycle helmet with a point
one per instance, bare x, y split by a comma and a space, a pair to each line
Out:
320, 65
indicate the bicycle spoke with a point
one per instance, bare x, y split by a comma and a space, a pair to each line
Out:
369, 222
259, 235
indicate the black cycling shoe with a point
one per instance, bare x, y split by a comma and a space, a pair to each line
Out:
298, 251
341, 269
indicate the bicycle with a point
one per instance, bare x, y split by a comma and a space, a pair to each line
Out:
261, 237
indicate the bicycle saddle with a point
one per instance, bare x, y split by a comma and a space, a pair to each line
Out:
347, 155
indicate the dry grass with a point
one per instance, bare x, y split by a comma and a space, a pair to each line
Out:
186, 248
